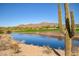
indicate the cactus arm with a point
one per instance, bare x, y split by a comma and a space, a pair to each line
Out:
60, 19
72, 23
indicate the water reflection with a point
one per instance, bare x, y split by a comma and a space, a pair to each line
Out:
52, 42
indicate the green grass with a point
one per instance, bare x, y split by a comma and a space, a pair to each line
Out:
77, 30
24, 30
1, 32
40, 30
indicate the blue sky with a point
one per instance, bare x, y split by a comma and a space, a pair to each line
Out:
15, 14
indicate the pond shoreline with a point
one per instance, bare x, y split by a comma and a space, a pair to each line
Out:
53, 34
31, 50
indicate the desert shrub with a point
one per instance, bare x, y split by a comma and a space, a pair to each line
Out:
2, 45
1, 32
47, 50
15, 46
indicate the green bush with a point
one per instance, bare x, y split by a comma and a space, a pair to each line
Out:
1, 31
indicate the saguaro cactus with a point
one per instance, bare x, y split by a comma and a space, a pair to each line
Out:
70, 28
78, 51
67, 19
68, 32
60, 19
73, 29
67, 45
72, 22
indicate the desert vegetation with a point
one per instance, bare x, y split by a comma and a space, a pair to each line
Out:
6, 42
69, 30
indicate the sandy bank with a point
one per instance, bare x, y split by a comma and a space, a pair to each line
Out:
30, 50
55, 34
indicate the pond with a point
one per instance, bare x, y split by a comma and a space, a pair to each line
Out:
39, 40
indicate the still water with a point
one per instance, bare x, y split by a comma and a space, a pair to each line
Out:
39, 40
